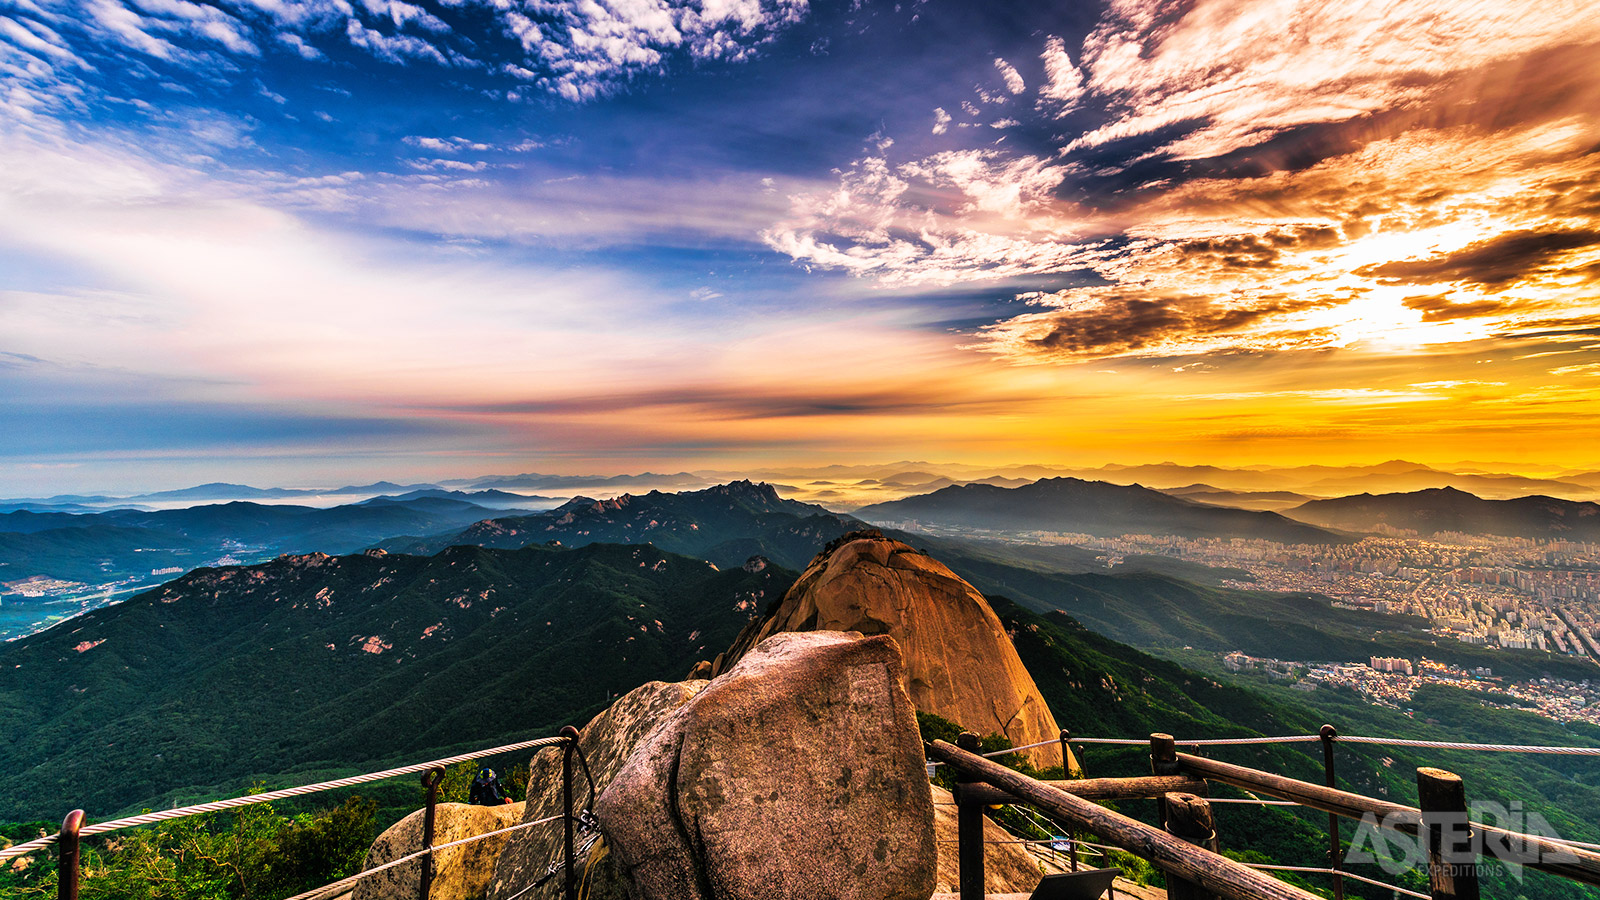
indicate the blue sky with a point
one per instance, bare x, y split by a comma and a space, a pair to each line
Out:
320, 241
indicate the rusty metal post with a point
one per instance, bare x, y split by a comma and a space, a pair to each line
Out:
569, 847
969, 828
1447, 833
1328, 733
1189, 818
431, 780
67, 875
1066, 773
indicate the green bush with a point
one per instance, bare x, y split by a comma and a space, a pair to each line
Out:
251, 854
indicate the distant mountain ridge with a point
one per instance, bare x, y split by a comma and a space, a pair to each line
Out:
1395, 475
133, 547
1090, 507
725, 523
1429, 512
342, 527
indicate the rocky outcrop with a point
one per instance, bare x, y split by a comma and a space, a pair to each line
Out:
459, 873
959, 663
606, 741
797, 774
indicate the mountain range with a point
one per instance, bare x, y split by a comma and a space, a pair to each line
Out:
1072, 505
846, 487
725, 524
1429, 512
128, 547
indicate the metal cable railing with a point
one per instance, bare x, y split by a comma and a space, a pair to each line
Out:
268, 797
339, 886
1313, 738
568, 737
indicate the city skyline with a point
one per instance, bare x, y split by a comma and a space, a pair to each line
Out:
325, 242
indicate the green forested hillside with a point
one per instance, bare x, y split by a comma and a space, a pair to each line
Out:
327, 662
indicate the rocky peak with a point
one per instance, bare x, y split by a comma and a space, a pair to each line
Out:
749, 491
959, 662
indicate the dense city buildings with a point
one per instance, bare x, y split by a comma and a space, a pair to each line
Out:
1491, 591
1393, 682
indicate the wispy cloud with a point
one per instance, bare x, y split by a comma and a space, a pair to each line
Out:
1229, 74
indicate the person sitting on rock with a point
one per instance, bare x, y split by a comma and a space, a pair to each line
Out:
485, 790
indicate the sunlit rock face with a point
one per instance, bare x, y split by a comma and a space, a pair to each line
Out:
806, 751
959, 663
460, 873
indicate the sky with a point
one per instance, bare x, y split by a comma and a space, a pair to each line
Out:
307, 242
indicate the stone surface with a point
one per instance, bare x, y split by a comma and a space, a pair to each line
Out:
459, 873
796, 775
959, 663
607, 741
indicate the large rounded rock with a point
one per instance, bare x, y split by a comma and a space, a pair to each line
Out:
459, 873
959, 663
796, 775
606, 741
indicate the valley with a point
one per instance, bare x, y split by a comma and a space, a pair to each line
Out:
311, 663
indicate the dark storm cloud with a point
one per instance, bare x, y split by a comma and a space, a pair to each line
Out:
1258, 251
1440, 308
1495, 263
1134, 323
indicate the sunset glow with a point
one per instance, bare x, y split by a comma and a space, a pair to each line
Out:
303, 240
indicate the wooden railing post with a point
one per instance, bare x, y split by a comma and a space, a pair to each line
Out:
1328, 733
1163, 761
969, 828
1447, 835
1189, 818
1163, 754
431, 780
67, 874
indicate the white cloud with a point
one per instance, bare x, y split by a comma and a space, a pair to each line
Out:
206, 22
955, 216
397, 48
1063, 81
1013, 78
591, 48
298, 44
577, 50
400, 14
941, 121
